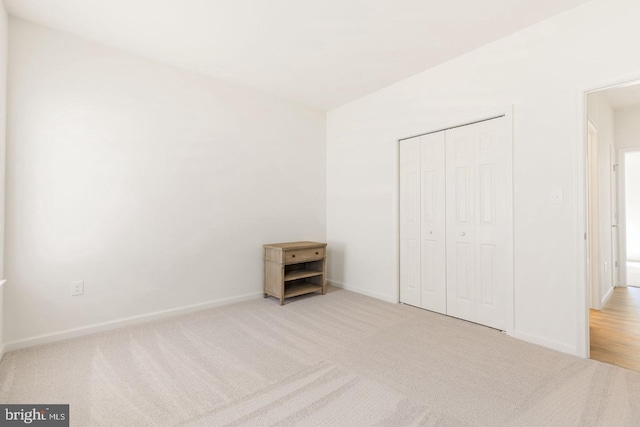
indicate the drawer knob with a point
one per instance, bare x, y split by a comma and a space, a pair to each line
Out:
293, 256
317, 253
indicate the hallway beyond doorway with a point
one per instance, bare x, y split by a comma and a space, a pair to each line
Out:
615, 330
633, 274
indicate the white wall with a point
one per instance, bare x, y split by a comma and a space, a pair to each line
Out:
4, 40
627, 122
541, 72
603, 117
154, 185
628, 128
632, 199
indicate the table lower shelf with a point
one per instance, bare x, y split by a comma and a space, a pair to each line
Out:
300, 274
295, 289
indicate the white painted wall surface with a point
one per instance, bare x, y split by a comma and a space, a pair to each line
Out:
627, 128
4, 42
154, 185
541, 72
627, 125
603, 117
632, 182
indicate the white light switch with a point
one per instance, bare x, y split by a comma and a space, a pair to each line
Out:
557, 196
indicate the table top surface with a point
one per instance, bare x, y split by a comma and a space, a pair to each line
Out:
295, 245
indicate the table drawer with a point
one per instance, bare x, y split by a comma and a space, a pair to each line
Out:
303, 255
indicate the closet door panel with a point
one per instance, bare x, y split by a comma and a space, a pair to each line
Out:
410, 217
433, 263
460, 212
493, 225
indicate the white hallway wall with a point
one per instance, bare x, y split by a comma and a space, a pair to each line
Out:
154, 185
4, 44
628, 138
632, 179
627, 125
539, 71
603, 117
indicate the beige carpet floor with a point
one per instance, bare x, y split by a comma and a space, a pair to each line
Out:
341, 359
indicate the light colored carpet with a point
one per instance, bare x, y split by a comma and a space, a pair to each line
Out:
341, 359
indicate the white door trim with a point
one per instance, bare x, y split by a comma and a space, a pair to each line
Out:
461, 120
581, 206
593, 216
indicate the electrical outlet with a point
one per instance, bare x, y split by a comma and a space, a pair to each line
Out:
77, 288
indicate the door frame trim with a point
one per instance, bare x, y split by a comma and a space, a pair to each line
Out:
594, 296
481, 114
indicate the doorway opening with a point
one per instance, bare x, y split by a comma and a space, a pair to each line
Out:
612, 195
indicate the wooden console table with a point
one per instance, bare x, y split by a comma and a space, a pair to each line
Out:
294, 268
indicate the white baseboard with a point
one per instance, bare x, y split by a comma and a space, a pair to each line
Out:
554, 345
362, 291
127, 321
607, 296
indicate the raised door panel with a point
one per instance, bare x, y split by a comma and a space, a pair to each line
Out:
460, 218
410, 217
493, 189
433, 259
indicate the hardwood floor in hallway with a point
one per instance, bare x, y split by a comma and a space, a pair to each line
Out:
615, 330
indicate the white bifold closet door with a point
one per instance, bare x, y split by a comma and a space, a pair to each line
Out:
479, 259
455, 222
422, 222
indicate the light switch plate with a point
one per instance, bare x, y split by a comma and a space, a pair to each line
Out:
77, 288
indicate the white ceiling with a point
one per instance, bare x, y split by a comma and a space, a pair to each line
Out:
321, 53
